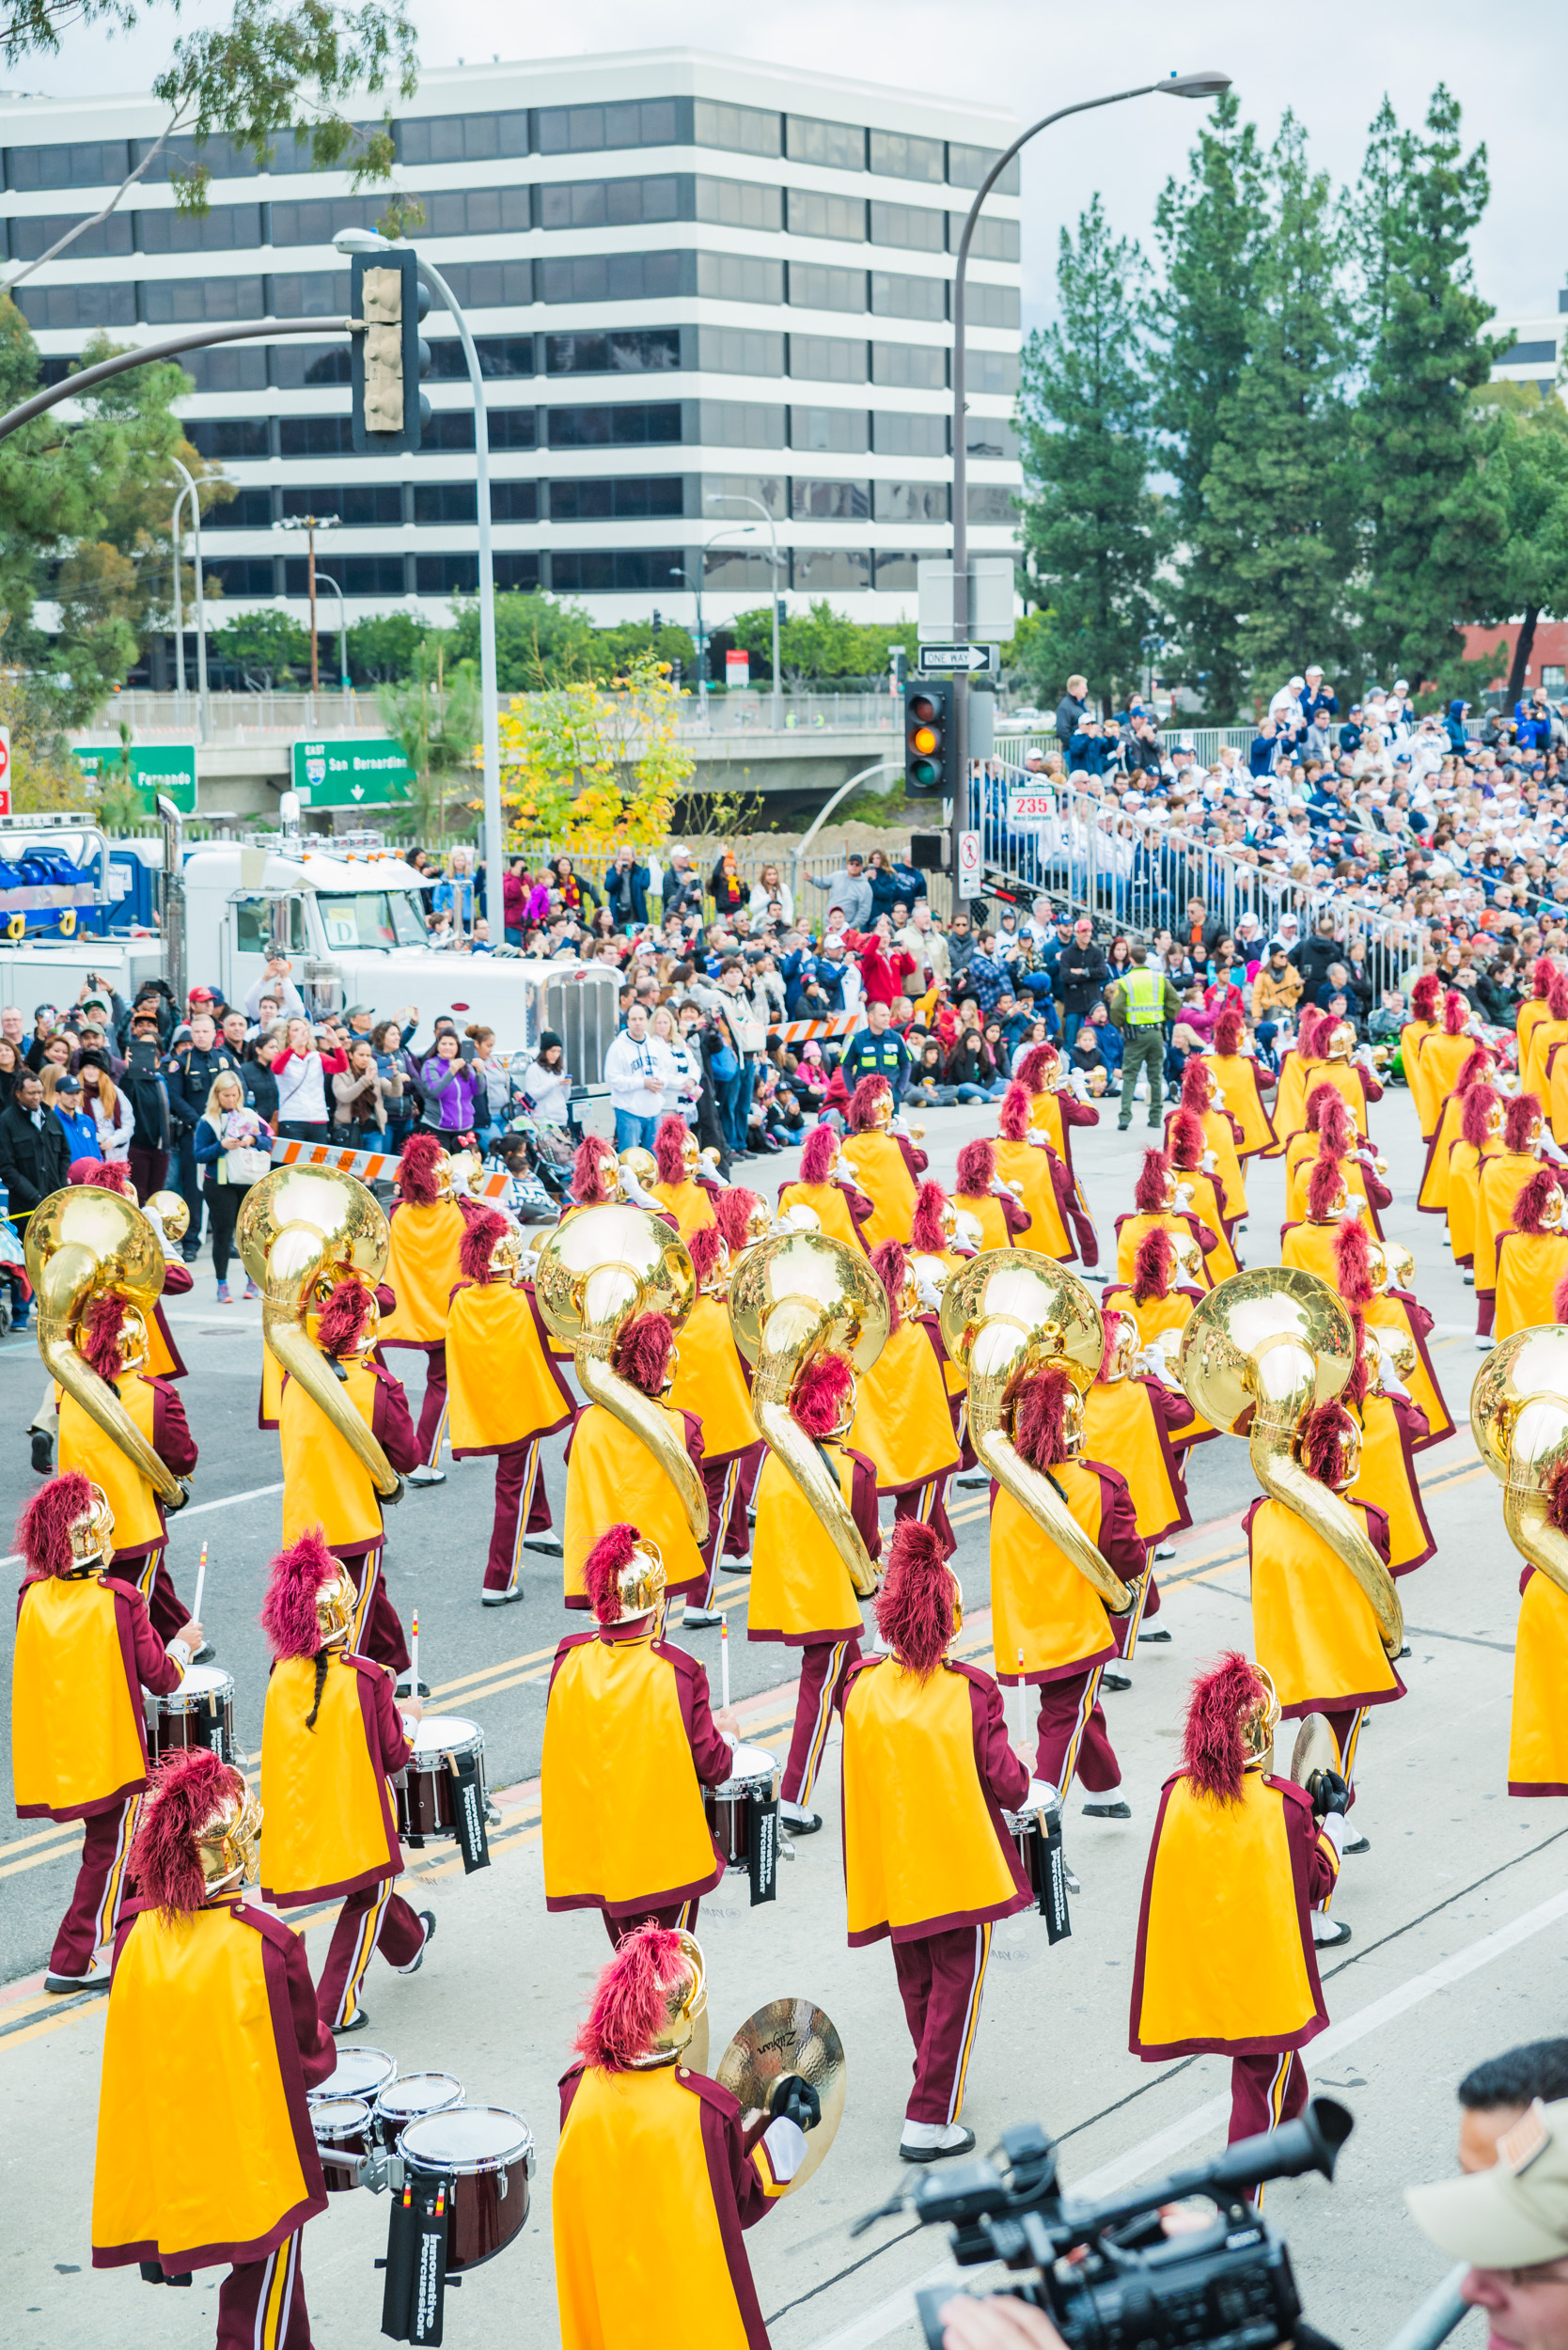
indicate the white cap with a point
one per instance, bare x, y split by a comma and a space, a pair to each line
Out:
1297, 680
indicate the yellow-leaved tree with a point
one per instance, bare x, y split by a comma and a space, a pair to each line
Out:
588, 767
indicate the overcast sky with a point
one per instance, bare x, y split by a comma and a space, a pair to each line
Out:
1331, 61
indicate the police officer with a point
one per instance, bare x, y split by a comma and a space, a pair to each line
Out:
188, 1073
877, 1051
1140, 1004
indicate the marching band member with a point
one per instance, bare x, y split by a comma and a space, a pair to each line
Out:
1356, 1084
1363, 1274
1234, 1839
1337, 1138
609, 1473
711, 1385
1538, 1727
1059, 1227
1534, 1008
1302, 1149
1477, 1068
326, 1487
925, 1738
1202, 1100
1314, 1626
1425, 999
643, 2134
824, 1186
505, 1391
1546, 1035
743, 1217
1049, 1626
934, 1255
1480, 1125
629, 1743
677, 1158
801, 1593
1055, 1109
198, 1966
1441, 1057
902, 1420
1310, 1242
164, 1358
981, 1194
331, 1741
1158, 1299
1154, 1210
1193, 1162
1299, 1071
1391, 1427
883, 1162
113, 1340
1557, 1092
1235, 1076
423, 1268
595, 1174
1133, 1420
84, 1651
1502, 1179
1532, 1255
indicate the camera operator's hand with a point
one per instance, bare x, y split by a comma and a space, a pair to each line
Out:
1329, 1792
794, 2099
997, 2324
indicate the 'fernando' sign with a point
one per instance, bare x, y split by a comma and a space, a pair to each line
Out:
150, 768
367, 772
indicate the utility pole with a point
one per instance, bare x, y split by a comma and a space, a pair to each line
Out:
310, 524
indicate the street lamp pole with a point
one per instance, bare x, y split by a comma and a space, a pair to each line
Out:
190, 492
310, 524
324, 579
1207, 83
727, 497
679, 571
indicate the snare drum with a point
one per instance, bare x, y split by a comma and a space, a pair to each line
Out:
342, 2127
411, 2099
730, 1805
486, 2156
1031, 1832
426, 1790
200, 1713
358, 2072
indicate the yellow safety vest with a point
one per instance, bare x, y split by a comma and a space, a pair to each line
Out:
1145, 993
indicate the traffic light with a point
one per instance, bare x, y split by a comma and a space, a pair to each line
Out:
928, 727
390, 356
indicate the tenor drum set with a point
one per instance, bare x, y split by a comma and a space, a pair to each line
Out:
481, 2157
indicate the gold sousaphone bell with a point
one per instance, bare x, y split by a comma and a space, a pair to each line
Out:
1519, 1414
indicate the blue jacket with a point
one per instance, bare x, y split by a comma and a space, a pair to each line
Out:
1262, 754
1090, 752
802, 969
80, 1132
628, 900
1453, 725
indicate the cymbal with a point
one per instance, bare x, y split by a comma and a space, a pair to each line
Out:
1314, 1748
787, 2036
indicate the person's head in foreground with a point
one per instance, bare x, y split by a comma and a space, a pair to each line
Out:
1509, 2218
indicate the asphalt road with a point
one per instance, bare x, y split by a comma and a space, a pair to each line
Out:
1457, 1948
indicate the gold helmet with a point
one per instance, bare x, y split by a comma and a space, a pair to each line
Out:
624, 1573
1122, 1332
1189, 1254
685, 2004
716, 1282
92, 1534
642, 1164
1400, 1265
509, 1257
322, 1291
132, 1346
229, 1846
1260, 1725
335, 1604
1342, 1041
966, 1230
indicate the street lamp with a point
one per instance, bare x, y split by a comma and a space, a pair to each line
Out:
1208, 82
735, 531
348, 241
733, 497
190, 492
325, 579
310, 524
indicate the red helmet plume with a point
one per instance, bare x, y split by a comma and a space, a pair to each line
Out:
1424, 996
1542, 976
866, 1093
1318, 1099
1213, 1753
418, 1170
1328, 1432
478, 1241
889, 1264
1530, 1208
340, 1324
818, 1154
819, 1395
703, 1250
1557, 997
1336, 1128
1520, 1119
1197, 1086
1353, 1262
1560, 1300
1324, 1185
1153, 1267
1308, 1035
1187, 1141
733, 1206
1456, 1013
601, 1570
1229, 1029
104, 1175
1476, 1069
642, 1351
1480, 1101
1557, 1501
669, 1150
1031, 1071
977, 1169
289, 1609
1354, 1392
1013, 1121
631, 2002
44, 1530
925, 1233
188, 1792
1149, 1197
591, 1183
99, 1332
915, 1606
1040, 1418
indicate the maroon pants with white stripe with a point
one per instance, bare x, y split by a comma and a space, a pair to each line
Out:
377, 1627
100, 1888
517, 1480
432, 1412
1073, 1739
941, 1982
724, 1481
823, 1667
373, 1919
928, 1504
261, 2303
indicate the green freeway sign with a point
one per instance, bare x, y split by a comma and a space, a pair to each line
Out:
365, 773
168, 768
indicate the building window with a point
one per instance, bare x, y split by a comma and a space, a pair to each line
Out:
837, 430
991, 502
248, 509
737, 203
992, 436
813, 286
995, 239
309, 295
827, 359
583, 130
842, 145
989, 306
226, 228
646, 498
243, 575
315, 220
310, 436
604, 571
478, 213
744, 130
83, 164
912, 297
740, 424
611, 277
357, 574
968, 166
449, 429
514, 501
740, 350
818, 569
491, 285
738, 571
303, 366
236, 439
911, 366
992, 371
769, 490
446, 502
628, 424
359, 505
899, 574
608, 203
292, 156
514, 567
1518, 355
512, 427
502, 358
461, 139
736, 277
634, 351
905, 158
238, 368
911, 501
830, 501
915, 225
33, 233
80, 306
903, 432
809, 214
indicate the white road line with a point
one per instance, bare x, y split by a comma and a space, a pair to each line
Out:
1153, 2153
192, 1510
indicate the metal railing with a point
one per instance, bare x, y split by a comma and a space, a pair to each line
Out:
1014, 741
260, 717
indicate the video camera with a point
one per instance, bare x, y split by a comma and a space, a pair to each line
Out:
1227, 2285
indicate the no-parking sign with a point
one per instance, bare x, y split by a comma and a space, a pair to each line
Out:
5, 771
970, 870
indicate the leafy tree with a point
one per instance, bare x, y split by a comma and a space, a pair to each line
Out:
384, 648
618, 649
435, 716
1210, 231
1433, 506
1276, 492
539, 643
821, 646
1094, 532
1530, 452
587, 769
269, 649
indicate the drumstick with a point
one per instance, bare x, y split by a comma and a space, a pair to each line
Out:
1022, 1704
201, 1577
413, 1667
724, 1663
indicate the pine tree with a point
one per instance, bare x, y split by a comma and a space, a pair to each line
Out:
1276, 494
1094, 533
1209, 227
1434, 512
1530, 452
